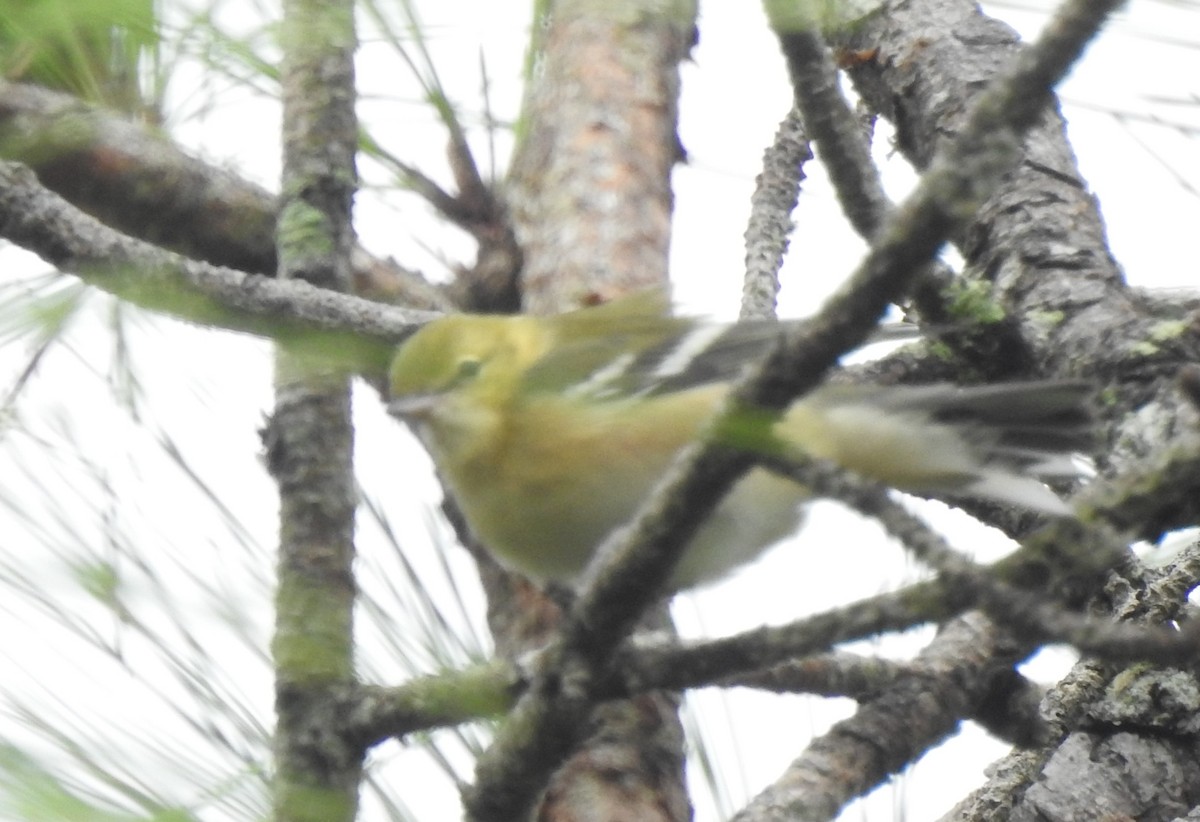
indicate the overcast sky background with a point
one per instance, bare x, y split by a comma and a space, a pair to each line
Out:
92, 482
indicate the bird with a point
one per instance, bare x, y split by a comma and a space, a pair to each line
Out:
549, 431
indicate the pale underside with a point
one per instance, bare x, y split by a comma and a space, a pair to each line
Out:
581, 468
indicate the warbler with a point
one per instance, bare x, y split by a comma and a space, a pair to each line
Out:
550, 431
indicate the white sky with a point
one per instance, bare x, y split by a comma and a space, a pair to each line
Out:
107, 469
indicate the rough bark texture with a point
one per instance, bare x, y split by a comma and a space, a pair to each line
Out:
145, 186
311, 436
590, 198
589, 193
590, 186
1039, 245
952, 676
1037, 250
136, 182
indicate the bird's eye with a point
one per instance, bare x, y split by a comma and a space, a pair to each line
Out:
468, 368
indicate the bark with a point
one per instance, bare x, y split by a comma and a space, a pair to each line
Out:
590, 201
589, 194
955, 671
1039, 249
318, 767
589, 188
140, 183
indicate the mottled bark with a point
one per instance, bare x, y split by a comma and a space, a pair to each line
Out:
589, 194
310, 439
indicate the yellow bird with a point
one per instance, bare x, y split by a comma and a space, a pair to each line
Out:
550, 431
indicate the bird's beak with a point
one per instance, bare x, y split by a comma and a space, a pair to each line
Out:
414, 407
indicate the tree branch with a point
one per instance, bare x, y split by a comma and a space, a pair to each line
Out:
310, 436
776, 192
360, 332
144, 186
892, 731
632, 566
